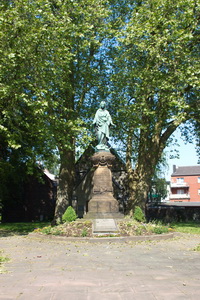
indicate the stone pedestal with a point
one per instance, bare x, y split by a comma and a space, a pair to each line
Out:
102, 203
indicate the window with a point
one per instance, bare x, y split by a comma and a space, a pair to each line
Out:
198, 179
179, 180
199, 192
180, 191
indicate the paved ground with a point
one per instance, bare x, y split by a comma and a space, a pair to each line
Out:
58, 270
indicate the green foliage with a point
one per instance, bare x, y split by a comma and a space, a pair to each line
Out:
133, 227
160, 229
46, 230
69, 215
138, 214
154, 83
141, 56
78, 228
50, 61
158, 189
84, 232
187, 227
197, 248
59, 47
20, 228
3, 258
139, 230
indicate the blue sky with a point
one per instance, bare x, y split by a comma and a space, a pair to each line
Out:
187, 155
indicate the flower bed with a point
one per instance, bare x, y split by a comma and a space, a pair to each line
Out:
83, 228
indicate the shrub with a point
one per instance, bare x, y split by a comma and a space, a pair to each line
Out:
69, 215
160, 230
138, 214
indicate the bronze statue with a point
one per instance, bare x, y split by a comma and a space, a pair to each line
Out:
102, 122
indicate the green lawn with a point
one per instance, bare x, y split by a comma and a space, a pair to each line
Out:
7, 229
187, 227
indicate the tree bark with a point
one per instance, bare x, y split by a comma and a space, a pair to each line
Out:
150, 150
65, 185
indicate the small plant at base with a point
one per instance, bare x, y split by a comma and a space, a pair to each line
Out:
160, 230
84, 232
3, 258
138, 214
197, 248
138, 231
46, 230
69, 215
57, 232
87, 222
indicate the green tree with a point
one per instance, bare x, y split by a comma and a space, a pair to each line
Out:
154, 84
51, 65
58, 58
158, 189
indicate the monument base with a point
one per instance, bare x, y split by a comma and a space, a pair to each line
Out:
93, 215
103, 205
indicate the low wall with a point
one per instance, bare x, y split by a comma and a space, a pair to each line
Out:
170, 213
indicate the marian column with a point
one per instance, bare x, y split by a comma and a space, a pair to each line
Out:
102, 201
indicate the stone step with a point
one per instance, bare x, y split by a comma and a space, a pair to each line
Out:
104, 226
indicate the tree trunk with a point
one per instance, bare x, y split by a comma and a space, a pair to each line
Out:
138, 183
65, 185
139, 179
150, 150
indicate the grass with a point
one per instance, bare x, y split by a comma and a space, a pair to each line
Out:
84, 228
3, 259
7, 229
187, 227
197, 248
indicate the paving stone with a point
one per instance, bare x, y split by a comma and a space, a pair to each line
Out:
104, 296
53, 269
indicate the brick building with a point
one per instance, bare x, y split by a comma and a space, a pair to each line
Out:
185, 184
